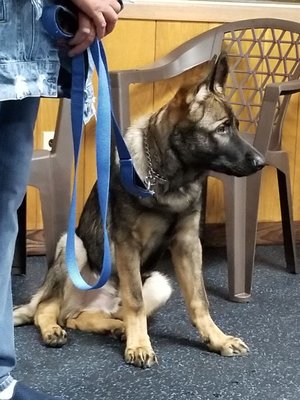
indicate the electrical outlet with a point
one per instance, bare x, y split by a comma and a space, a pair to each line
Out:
47, 137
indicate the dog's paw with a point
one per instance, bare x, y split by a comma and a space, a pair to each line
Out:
232, 346
143, 357
55, 336
118, 331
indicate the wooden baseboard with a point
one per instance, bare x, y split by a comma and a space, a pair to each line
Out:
269, 233
35, 243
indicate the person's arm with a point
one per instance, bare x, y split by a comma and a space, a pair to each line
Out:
96, 18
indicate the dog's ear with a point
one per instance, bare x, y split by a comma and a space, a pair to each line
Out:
219, 73
215, 78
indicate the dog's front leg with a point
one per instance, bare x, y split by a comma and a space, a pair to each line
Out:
187, 258
46, 318
138, 346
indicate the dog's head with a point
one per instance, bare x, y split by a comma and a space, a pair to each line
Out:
205, 130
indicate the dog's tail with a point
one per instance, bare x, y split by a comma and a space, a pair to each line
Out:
156, 291
53, 283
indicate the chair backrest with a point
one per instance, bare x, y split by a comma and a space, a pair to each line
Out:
260, 52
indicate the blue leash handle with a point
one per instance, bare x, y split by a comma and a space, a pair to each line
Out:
105, 120
103, 144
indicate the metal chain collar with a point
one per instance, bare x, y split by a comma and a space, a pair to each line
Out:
152, 176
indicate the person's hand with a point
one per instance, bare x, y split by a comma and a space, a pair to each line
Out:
103, 13
84, 36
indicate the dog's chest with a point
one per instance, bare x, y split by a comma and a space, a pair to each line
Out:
102, 299
151, 234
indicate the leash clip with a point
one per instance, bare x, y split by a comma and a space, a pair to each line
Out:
131, 181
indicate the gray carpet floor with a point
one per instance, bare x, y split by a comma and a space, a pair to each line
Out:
91, 367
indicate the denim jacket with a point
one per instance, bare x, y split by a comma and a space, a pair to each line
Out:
38, 5
29, 58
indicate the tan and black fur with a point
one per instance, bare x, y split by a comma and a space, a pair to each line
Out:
193, 133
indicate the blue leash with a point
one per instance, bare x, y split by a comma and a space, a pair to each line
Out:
105, 120
130, 179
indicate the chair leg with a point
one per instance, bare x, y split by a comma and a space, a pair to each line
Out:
241, 209
55, 200
49, 220
253, 189
285, 196
51, 175
19, 262
235, 201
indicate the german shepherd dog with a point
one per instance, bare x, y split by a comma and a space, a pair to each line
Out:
175, 147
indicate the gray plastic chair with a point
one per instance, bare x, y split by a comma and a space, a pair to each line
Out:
264, 59
19, 261
51, 175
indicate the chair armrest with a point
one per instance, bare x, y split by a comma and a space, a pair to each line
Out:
190, 54
266, 136
285, 88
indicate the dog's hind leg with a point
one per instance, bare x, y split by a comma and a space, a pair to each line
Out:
187, 258
46, 318
97, 322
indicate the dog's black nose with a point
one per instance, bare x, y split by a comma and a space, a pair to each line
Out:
258, 162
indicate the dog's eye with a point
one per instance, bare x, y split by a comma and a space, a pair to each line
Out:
221, 129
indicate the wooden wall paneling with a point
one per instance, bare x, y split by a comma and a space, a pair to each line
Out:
215, 213
170, 34
31, 208
215, 202
131, 45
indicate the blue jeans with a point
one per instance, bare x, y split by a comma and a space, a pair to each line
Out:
17, 120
